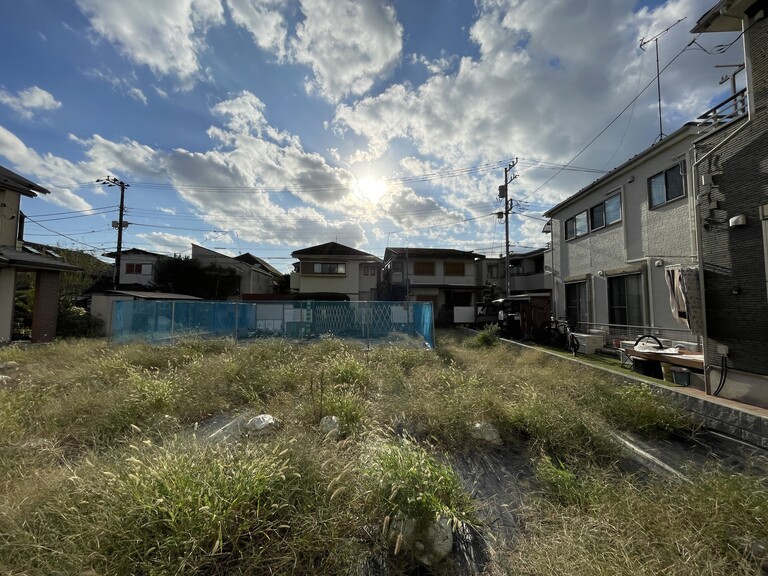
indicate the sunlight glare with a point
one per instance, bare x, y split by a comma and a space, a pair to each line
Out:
371, 189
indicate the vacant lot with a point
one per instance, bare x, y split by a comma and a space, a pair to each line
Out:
109, 465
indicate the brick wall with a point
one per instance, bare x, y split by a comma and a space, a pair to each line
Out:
732, 258
46, 306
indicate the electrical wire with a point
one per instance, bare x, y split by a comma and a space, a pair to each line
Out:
615, 119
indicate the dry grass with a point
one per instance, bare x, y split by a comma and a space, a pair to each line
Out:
100, 469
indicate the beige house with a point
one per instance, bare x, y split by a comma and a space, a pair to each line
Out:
446, 277
335, 268
14, 259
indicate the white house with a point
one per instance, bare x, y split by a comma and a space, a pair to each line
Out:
614, 241
136, 266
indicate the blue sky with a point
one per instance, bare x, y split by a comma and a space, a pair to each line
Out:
266, 126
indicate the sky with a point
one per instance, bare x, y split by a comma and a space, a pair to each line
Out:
268, 126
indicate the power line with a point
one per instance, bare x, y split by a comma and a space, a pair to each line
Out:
612, 122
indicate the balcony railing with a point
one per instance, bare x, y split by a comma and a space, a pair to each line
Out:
733, 107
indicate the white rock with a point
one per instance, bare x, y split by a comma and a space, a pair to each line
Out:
329, 424
486, 432
5, 379
428, 546
261, 424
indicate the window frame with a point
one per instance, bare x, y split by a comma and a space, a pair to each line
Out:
614, 307
676, 169
576, 311
418, 265
328, 269
449, 271
613, 195
138, 268
575, 220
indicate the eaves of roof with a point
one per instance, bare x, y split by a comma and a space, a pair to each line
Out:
444, 253
685, 131
332, 249
12, 258
9, 180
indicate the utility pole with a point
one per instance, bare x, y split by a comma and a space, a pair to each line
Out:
508, 204
109, 182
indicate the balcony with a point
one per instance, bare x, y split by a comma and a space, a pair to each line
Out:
730, 109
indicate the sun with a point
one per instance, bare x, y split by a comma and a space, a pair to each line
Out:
371, 189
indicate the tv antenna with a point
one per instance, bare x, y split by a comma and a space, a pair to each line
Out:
655, 40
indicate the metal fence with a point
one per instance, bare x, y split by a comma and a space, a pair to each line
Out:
158, 320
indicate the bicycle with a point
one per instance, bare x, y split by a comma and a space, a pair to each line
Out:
558, 333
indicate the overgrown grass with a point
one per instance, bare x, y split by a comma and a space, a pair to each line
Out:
100, 469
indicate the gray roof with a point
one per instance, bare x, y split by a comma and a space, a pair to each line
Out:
390, 253
139, 295
9, 180
10, 257
331, 249
687, 129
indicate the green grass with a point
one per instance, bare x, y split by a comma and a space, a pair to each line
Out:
102, 470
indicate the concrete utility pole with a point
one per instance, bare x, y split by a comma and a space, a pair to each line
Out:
109, 182
508, 203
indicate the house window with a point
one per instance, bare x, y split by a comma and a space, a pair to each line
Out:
625, 300
144, 269
605, 213
666, 186
369, 270
453, 268
338, 268
576, 226
424, 268
493, 271
576, 303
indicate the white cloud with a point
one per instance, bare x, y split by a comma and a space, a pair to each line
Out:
29, 101
119, 85
264, 20
167, 37
348, 44
239, 185
549, 76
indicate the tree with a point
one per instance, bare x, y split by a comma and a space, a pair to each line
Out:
184, 275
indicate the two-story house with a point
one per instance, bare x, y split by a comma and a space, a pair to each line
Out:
14, 259
614, 242
446, 277
255, 278
730, 171
528, 272
335, 268
136, 267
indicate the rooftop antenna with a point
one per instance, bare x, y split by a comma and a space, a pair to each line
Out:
655, 40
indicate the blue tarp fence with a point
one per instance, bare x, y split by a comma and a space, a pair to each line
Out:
158, 320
